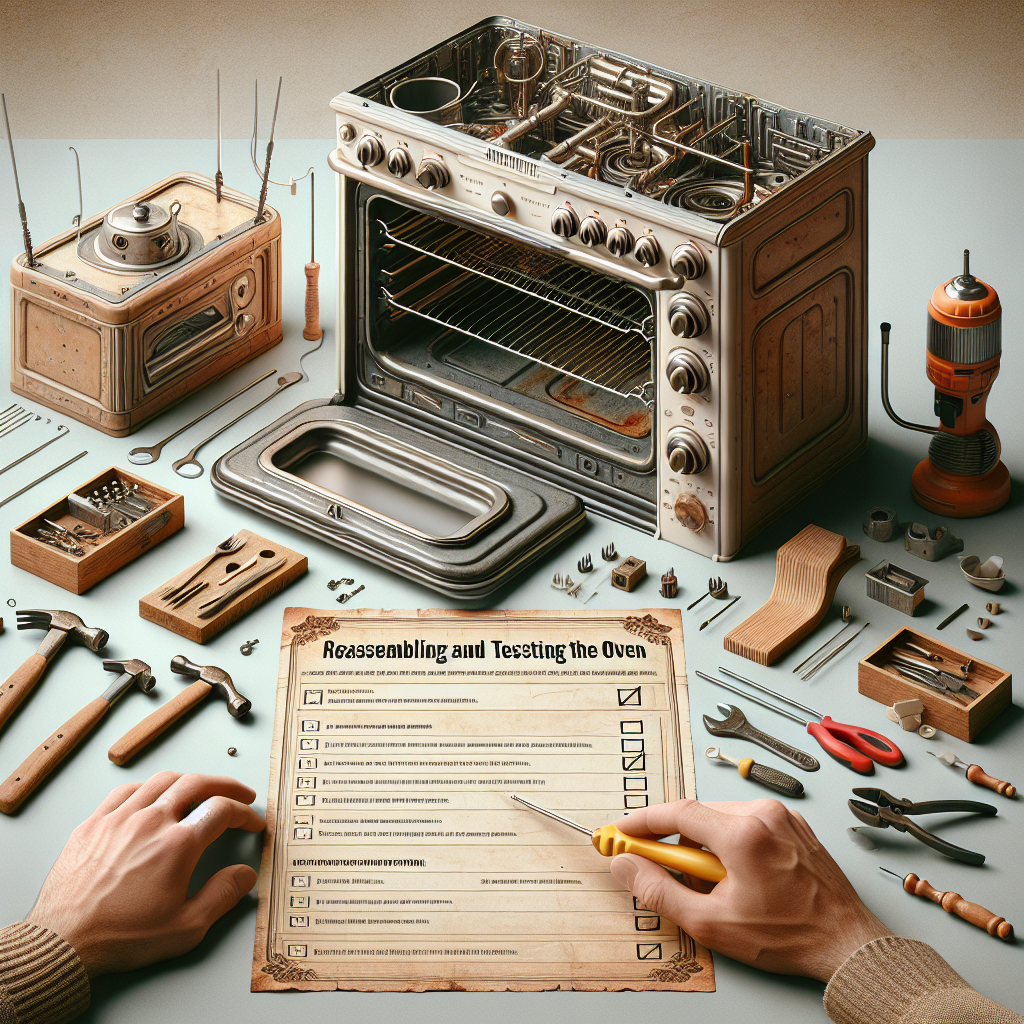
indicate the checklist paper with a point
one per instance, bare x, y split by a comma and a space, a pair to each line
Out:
394, 858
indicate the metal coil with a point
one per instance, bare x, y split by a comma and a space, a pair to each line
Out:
963, 455
966, 346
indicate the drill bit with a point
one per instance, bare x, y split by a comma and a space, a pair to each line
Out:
26, 237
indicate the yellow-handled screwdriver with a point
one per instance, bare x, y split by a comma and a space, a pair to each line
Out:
610, 842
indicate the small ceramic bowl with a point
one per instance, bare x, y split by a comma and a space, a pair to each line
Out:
987, 575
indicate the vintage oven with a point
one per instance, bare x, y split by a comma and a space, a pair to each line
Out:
145, 303
565, 268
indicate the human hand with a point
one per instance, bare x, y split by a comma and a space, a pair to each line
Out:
118, 891
786, 906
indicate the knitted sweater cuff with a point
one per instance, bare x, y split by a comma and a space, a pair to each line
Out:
42, 980
885, 978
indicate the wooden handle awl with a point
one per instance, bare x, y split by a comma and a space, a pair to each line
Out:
137, 739
22, 782
19, 685
954, 903
979, 777
312, 331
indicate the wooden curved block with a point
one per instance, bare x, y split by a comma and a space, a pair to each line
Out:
808, 569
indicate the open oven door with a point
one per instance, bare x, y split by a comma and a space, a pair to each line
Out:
451, 520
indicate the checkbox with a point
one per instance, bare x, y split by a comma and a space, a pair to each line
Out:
632, 746
305, 782
631, 728
302, 833
629, 698
294, 921
305, 800
648, 951
633, 763
296, 949
646, 924
307, 744
302, 881
637, 905
302, 819
313, 697
307, 764
310, 725
634, 783
300, 903
631, 801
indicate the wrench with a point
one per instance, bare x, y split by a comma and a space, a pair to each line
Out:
193, 464
736, 724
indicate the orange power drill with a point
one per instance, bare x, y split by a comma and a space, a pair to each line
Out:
962, 475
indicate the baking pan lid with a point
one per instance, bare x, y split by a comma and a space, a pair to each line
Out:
499, 521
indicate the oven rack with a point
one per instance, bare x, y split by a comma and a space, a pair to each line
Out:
535, 273
548, 334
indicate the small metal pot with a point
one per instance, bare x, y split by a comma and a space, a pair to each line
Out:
142, 235
435, 99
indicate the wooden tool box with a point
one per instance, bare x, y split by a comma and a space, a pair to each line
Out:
184, 619
110, 551
964, 721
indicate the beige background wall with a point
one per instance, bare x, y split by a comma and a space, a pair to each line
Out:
145, 69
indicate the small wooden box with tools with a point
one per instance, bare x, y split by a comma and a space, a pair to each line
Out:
219, 589
96, 529
952, 710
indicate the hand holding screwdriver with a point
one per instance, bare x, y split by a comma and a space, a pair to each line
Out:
610, 842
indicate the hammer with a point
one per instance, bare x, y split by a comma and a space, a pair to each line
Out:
61, 626
22, 782
208, 678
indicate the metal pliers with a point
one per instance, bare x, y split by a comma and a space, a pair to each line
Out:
891, 811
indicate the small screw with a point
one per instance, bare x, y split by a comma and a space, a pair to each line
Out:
232, 751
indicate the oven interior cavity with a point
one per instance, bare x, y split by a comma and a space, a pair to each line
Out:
507, 326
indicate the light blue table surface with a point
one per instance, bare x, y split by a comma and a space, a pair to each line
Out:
928, 201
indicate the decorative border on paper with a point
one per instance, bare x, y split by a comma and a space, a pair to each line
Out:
648, 628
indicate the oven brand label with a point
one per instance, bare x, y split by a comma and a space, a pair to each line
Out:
334, 511
471, 181
534, 202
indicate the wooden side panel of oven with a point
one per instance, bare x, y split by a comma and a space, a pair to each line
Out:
801, 366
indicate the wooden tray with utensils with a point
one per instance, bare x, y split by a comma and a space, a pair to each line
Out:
211, 594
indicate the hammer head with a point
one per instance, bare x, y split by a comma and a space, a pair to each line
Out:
238, 706
76, 629
132, 672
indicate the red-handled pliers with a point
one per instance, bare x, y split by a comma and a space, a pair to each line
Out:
850, 745
843, 742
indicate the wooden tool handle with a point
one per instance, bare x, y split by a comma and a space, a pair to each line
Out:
954, 903
979, 777
610, 842
23, 781
19, 684
140, 737
312, 331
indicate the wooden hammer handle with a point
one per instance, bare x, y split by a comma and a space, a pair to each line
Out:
954, 903
23, 781
312, 332
140, 737
979, 777
19, 685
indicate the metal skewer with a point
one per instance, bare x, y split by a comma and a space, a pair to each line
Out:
45, 476
36, 451
25, 235
219, 178
77, 221
828, 657
707, 622
815, 653
270, 151
551, 814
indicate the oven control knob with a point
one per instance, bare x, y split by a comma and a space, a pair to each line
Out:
501, 204
687, 453
647, 251
592, 231
691, 512
346, 132
688, 317
399, 162
432, 173
688, 261
687, 373
620, 240
369, 151
564, 221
